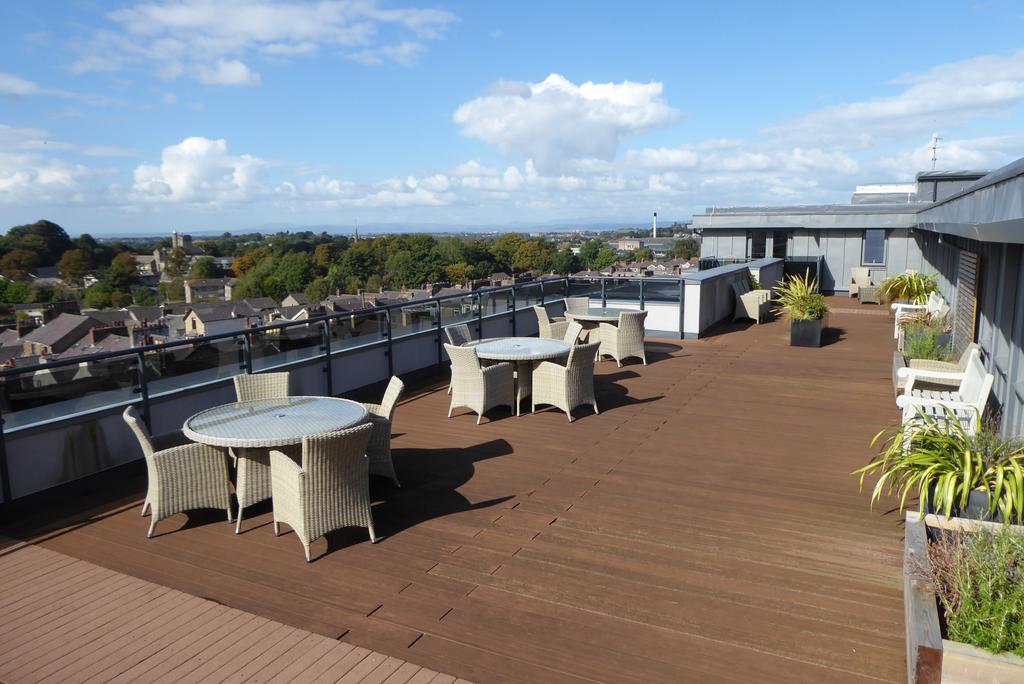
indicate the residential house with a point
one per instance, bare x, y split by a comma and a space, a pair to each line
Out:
201, 291
98, 340
214, 319
147, 265
295, 299
57, 335
343, 302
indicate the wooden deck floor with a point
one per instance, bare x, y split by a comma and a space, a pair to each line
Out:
66, 620
704, 527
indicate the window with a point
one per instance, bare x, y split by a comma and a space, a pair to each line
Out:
780, 243
874, 248
758, 244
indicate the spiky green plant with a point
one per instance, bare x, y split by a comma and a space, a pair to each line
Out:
939, 462
911, 287
798, 299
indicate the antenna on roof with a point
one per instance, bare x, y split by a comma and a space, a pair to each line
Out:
935, 148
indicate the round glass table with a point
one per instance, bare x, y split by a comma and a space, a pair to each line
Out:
268, 423
251, 428
595, 316
523, 352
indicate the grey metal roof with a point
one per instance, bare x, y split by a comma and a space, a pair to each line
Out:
261, 303
59, 328
108, 317
222, 311
951, 175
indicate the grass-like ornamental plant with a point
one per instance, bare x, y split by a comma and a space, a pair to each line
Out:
940, 463
798, 299
979, 580
911, 287
923, 340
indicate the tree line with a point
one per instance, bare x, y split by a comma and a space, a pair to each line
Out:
275, 265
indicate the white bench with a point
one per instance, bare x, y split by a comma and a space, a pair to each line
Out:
905, 313
751, 303
966, 403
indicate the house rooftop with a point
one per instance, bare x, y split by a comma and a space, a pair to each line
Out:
58, 329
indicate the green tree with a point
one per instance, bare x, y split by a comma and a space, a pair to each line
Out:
643, 254
324, 256
74, 265
589, 252
173, 291
605, 258
352, 285
565, 262
532, 255
204, 267
122, 273
18, 292
686, 248
505, 248
294, 271
374, 283
318, 290
17, 264
143, 296
176, 263
402, 269
459, 272
45, 238
97, 296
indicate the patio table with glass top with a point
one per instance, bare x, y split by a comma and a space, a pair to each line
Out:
523, 352
251, 428
595, 316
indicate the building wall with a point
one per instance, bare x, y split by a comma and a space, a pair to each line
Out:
842, 249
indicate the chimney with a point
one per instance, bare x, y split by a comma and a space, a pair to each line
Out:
655, 225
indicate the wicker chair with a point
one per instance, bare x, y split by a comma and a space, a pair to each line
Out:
328, 490
626, 339
460, 336
382, 417
182, 476
577, 304
252, 481
860, 276
568, 386
572, 333
478, 388
551, 329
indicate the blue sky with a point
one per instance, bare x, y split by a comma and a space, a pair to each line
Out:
202, 115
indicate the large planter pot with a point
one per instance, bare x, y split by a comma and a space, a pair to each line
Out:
930, 658
805, 333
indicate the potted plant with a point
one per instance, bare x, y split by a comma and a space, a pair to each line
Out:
927, 338
912, 288
798, 300
949, 469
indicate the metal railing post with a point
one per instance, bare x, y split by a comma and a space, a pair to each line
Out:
440, 335
245, 353
604, 293
143, 389
513, 311
390, 346
325, 347
479, 316
5, 473
682, 304
641, 294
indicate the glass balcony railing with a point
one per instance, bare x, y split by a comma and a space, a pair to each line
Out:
59, 389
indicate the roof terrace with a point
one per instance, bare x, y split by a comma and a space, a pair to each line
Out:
703, 527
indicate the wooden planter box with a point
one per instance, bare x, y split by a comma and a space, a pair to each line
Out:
930, 658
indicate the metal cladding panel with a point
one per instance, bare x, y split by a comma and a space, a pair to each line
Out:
965, 319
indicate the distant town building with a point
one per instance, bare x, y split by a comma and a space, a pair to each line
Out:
209, 290
57, 335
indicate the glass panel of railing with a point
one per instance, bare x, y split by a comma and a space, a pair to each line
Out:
278, 346
413, 318
459, 310
496, 303
585, 287
357, 329
528, 295
623, 288
175, 368
42, 393
554, 289
661, 290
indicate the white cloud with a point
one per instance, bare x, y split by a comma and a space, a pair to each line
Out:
941, 97
209, 39
227, 72
15, 85
169, 99
198, 171
405, 53
556, 121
